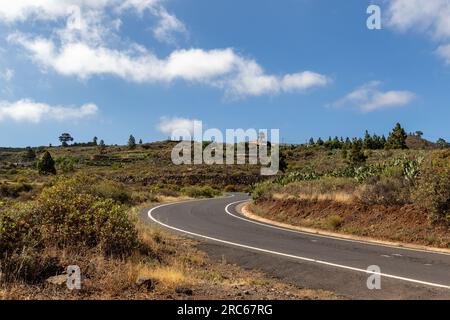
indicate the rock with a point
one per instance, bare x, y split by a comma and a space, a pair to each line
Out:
58, 280
147, 283
247, 292
183, 290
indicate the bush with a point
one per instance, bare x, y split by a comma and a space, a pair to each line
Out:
433, 186
111, 190
230, 188
13, 190
262, 191
386, 191
46, 165
64, 216
66, 164
335, 222
200, 192
71, 217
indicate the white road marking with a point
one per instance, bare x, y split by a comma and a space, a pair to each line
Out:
284, 254
327, 237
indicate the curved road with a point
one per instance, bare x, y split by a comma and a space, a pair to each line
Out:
305, 259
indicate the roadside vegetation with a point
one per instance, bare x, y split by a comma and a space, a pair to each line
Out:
80, 204
395, 188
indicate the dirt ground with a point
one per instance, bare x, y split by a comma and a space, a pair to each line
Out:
395, 223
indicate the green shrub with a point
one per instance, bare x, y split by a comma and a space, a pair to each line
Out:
66, 164
46, 165
230, 188
111, 190
335, 221
72, 216
262, 191
68, 216
13, 190
200, 192
433, 186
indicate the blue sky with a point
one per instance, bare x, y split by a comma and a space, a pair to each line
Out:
308, 67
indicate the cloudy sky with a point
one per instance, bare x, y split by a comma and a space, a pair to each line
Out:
109, 68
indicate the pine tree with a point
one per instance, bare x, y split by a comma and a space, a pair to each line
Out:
47, 164
368, 142
94, 141
311, 142
102, 146
131, 142
442, 144
347, 144
357, 156
320, 142
283, 166
397, 138
140, 141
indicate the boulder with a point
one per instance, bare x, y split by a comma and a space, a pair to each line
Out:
58, 280
184, 290
146, 283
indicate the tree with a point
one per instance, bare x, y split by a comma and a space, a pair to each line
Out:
140, 141
94, 141
357, 156
46, 165
442, 144
368, 143
311, 142
65, 138
131, 142
397, 138
283, 163
320, 142
419, 134
30, 155
347, 144
102, 146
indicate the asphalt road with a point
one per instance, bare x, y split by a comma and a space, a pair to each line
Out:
304, 259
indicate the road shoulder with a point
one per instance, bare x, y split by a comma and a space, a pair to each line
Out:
244, 210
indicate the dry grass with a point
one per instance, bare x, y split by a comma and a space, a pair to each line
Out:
331, 196
168, 276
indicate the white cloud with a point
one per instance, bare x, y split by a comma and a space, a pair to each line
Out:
33, 112
304, 81
177, 127
90, 17
431, 17
167, 26
88, 46
368, 98
21, 10
252, 80
223, 68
